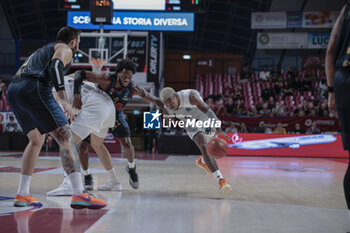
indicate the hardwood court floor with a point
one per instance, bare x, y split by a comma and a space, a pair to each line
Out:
282, 195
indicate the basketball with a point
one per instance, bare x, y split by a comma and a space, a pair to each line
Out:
217, 148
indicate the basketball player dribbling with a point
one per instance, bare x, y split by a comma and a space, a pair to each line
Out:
188, 104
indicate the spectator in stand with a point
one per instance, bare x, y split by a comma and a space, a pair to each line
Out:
323, 107
301, 113
287, 91
307, 84
312, 113
266, 128
279, 89
280, 129
297, 129
231, 129
239, 110
211, 104
246, 74
297, 84
259, 105
271, 103
243, 128
322, 87
228, 90
221, 110
309, 108
12, 126
267, 92
2, 87
237, 93
265, 111
298, 109
253, 111
230, 106
313, 129
264, 74
275, 73
278, 110
292, 73
291, 114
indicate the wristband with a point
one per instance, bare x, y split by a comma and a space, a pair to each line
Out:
330, 89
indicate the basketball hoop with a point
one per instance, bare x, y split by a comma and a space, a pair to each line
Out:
97, 65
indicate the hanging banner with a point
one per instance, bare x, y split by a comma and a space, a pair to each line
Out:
323, 123
268, 20
319, 19
279, 40
293, 40
153, 57
318, 40
137, 21
295, 145
294, 19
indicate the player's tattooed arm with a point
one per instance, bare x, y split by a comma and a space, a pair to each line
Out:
148, 96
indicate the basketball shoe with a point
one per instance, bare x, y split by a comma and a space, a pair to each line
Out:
65, 189
110, 186
133, 177
224, 186
22, 201
87, 200
202, 165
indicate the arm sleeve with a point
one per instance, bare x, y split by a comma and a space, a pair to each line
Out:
57, 77
79, 76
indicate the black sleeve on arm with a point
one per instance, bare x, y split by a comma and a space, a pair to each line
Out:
79, 76
57, 77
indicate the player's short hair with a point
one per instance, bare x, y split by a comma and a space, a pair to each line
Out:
125, 64
67, 34
166, 93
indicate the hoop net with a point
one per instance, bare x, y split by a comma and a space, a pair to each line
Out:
97, 65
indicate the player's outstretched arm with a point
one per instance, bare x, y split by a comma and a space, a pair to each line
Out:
148, 96
196, 99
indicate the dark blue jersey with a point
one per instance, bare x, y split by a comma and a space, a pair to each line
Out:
38, 64
120, 97
342, 48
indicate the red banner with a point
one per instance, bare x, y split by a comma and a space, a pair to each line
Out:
294, 145
323, 123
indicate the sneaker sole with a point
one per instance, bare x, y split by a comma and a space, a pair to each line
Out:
88, 188
226, 189
198, 165
23, 204
133, 185
111, 189
82, 205
58, 194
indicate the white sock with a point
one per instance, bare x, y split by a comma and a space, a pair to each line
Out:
77, 184
112, 176
24, 182
217, 174
86, 172
203, 160
349, 215
132, 164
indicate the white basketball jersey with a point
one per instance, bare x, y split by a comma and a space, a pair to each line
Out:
186, 110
